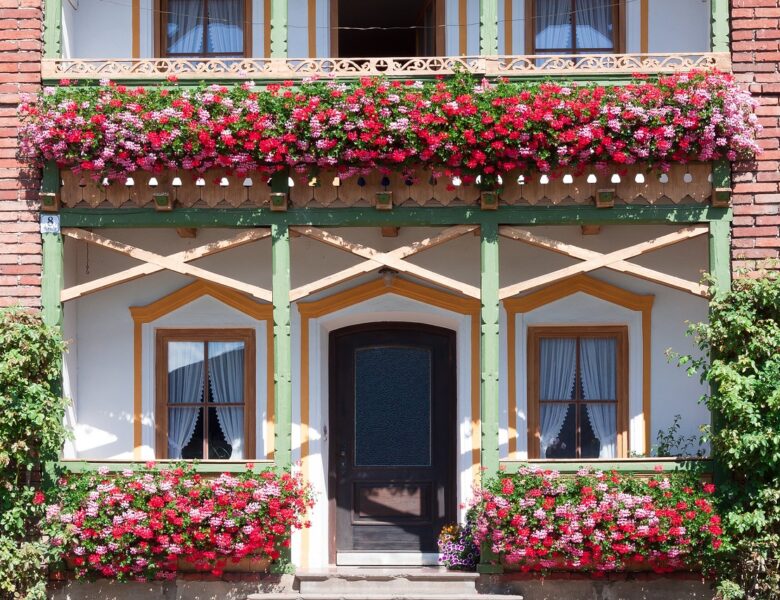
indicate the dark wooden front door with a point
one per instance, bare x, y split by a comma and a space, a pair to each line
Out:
392, 445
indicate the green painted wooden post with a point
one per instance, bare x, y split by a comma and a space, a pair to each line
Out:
52, 28
720, 254
52, 266
280, 257
278, 28
52, 276
719, 11
488, 27
489, 354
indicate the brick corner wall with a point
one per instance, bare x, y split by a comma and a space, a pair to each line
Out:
20, 72
755, 47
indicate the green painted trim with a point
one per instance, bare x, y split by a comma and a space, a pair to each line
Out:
721, 174
52, 278
488, 27
279, 28
490, 311
52, 28
719, 19
489, 348
631, 465
280, 257
401, 217
88, 466
720, 254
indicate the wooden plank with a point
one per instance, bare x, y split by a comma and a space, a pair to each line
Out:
279, 28
604, 260
720, 255
102, 283
280, 258
399, 216
166, 262
187, 232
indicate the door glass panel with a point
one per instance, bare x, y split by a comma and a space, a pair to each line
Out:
392, 406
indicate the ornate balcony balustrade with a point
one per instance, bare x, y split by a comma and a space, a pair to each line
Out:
571, 66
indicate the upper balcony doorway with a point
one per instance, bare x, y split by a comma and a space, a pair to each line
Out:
361, 29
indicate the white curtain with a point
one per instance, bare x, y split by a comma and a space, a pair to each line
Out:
226, 26
553, 24
594, 24
226, 370
185, 386
557, 370
185, 26
599, 374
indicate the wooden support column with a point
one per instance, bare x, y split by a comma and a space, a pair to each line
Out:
720, 25
279, 28
488, 27
52, 274
52, 28
52, 268
720, 254
489, 351
280, 256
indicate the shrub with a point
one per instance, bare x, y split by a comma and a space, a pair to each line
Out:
135, 525
31, 434
599, 522
742, 346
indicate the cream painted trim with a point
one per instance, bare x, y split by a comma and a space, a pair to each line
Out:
181, 297
562, 289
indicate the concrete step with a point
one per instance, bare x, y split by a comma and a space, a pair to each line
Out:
373, 583
409, 595
423, 580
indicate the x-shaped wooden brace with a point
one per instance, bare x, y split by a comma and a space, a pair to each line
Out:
376, 259
154, 262
595, 260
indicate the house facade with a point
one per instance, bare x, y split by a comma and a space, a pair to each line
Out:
399, 335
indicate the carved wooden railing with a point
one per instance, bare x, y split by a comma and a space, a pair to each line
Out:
292, 68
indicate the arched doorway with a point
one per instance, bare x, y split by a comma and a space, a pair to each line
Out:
393, 445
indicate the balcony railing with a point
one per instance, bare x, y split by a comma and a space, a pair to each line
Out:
565, 65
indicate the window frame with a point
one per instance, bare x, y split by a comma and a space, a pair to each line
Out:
535, 334
618, 32
162, 337
161, 35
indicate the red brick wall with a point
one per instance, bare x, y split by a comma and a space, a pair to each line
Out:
755, 43
20, 71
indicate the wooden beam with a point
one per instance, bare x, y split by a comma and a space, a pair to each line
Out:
166, 262
280, 258
596, 260
390, 231
187, 232
399, 216
590, 229
90, 287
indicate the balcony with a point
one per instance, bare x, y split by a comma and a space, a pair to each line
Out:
568, 66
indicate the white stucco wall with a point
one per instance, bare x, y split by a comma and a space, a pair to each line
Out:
99, 367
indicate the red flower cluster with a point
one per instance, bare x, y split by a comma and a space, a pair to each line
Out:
598, 521
456, 126
137, 525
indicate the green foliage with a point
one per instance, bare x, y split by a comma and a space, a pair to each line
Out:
672, 443
31, 434
742, 343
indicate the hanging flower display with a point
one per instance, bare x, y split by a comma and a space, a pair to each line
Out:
599, 521
458, 126
136, 525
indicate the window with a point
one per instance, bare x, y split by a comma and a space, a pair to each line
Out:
205, 27
578, 381
574, 26
361, 29
205, 394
